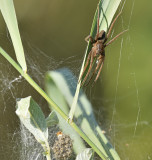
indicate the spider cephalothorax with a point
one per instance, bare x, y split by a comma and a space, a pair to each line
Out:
97, 52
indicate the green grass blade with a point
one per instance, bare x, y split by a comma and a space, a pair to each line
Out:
58, 86
54, 92
8, 12
107, 11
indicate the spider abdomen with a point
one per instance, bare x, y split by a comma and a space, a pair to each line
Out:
99, 49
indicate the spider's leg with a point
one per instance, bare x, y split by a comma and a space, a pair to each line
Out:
90, 67
90, 38
110, 29
85, 67
115, 37
99, 70
97, 67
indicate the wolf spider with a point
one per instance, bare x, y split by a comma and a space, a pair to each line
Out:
97, 52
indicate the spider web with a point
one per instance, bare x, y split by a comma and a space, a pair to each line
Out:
13, 86
126, 135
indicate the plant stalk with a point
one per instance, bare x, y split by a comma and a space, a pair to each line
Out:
53, 104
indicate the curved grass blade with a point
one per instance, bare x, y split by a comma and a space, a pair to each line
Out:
107, 11
8, 12
59, 83
55, 94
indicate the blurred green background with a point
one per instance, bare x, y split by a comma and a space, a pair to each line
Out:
53, 33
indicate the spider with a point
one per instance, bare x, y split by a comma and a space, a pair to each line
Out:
97, 52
